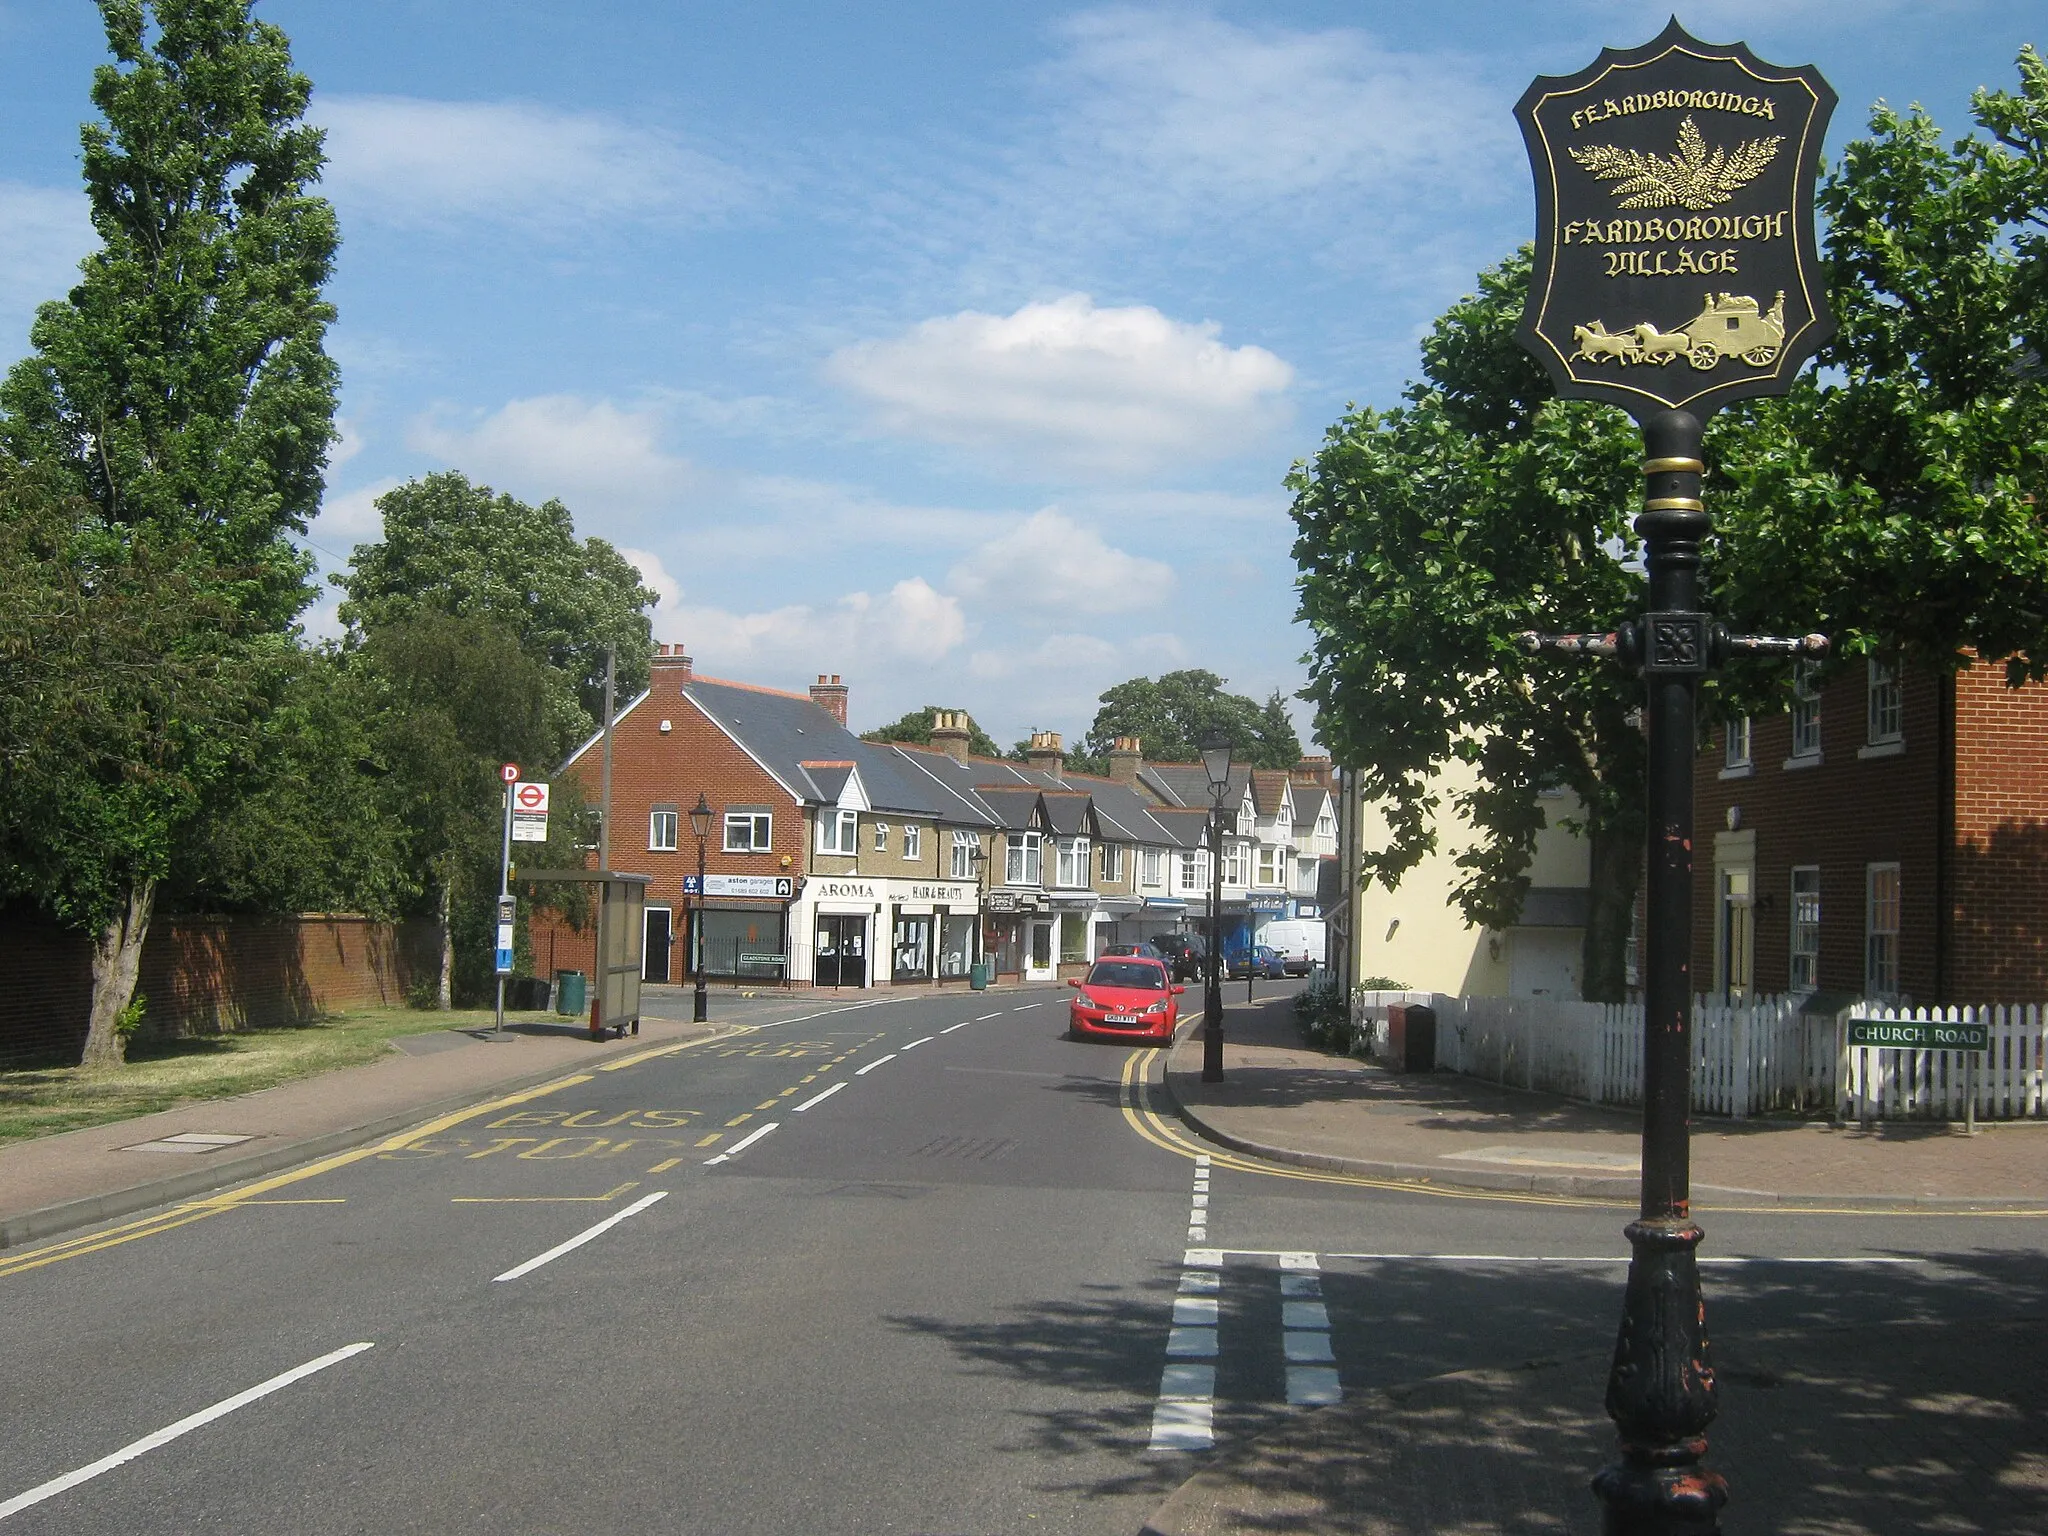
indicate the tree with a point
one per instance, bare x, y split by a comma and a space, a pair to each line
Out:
1430, 535
915, 729
1172, 714
456, 548
1892, 498
182, 394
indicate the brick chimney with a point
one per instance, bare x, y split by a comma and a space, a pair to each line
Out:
1047, 752
670, 665
1314, 770
950, 733
829, 694
1126, 757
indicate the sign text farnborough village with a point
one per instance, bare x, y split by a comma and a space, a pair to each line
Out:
1675, 259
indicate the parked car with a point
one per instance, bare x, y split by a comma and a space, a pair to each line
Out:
1259, 960
1125, 997
1142, 951
1299, 939
1183, 953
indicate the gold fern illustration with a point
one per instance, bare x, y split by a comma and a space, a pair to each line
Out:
1693, 178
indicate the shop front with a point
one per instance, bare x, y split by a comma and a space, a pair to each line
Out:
859, 931
1021, 934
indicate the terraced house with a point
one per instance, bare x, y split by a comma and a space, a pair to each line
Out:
837, 862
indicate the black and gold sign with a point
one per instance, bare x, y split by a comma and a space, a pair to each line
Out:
1675, 257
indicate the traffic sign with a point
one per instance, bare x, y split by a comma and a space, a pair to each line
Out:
531, 798
1919, 1035
529, 828
509, 773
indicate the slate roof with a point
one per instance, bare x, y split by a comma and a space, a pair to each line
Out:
1187, 784
1269, 789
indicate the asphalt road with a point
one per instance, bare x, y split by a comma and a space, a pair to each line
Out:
921, 1266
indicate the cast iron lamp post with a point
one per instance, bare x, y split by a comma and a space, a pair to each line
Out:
1216, 764
700, 823
979, 862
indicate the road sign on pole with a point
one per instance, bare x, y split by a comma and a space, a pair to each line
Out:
531, 798
509, 772
529, 813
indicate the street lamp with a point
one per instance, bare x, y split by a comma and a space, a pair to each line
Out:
700, 823
1216, 764
979, 861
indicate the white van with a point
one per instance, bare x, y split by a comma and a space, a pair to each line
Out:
1300, 941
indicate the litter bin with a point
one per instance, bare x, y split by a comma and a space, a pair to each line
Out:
978, 975
1411, 1037
572, 993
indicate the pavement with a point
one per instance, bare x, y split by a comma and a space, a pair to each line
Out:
1820, 1425
1908, 1426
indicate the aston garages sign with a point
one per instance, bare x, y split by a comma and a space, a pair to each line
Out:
1675, 258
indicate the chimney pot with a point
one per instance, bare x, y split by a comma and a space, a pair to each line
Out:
671, 661
830, 696
1126, 757
950, 733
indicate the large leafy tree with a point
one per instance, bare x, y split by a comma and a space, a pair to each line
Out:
1892, 498
482, 624
1430, 535
182, 396
454, 547
1172, 713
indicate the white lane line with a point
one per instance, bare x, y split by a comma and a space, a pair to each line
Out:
742, 1144
583, 1237
1026, 1007
983, 1018
817, 1098
951, 1027
927, 1040
170, 1432
878, 1061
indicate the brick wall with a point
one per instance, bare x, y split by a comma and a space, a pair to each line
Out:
1999, 944
1842, 814
202, 975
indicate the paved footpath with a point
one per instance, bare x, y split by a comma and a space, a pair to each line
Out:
1907, 1427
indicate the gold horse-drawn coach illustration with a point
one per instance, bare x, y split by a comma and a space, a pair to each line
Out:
1729, 325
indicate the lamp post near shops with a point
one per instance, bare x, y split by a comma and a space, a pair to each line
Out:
700, 823
1714, 297
1216, 764
979, 863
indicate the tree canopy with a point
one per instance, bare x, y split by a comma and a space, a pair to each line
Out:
1173, 713
452, 547
166, 435
915, 729
1892, 498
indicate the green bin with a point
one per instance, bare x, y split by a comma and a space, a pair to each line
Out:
979, 974
572, 993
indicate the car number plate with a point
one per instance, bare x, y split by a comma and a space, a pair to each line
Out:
1121, 1018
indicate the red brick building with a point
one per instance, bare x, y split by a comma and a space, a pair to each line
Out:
1886, 836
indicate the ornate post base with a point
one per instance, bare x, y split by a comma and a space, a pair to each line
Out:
1660, 1394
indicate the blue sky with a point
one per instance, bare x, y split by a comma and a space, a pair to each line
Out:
956, 348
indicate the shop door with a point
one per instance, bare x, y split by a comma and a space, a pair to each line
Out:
841, 959
910, 948
1038, 963
654, 955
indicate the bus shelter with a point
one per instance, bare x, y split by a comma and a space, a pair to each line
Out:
621, 906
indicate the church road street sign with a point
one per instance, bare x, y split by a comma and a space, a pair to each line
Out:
1676, 267
1919, 1035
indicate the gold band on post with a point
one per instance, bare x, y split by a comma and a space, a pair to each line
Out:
1673, 467
1674, 504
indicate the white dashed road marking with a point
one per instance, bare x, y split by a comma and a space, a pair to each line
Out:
170, 1432
603, 1226
877, 1062
817, 1098
927, 1040
742, 1144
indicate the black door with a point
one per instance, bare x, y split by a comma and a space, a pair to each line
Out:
841, 952
654, 958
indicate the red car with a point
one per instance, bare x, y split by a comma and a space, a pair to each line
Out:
1125, 997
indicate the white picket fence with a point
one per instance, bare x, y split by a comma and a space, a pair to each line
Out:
1757, 1056
2007, 1081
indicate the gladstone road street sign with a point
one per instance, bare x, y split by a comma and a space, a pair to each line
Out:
1675, 259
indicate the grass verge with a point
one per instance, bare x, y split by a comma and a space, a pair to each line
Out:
40, 1101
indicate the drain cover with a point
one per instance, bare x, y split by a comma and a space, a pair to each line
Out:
190, 1141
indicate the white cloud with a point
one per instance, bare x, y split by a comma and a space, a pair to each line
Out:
44, 234
1049, 563
348, 516
421, 163
1178, 112
591, 454
1067, 385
